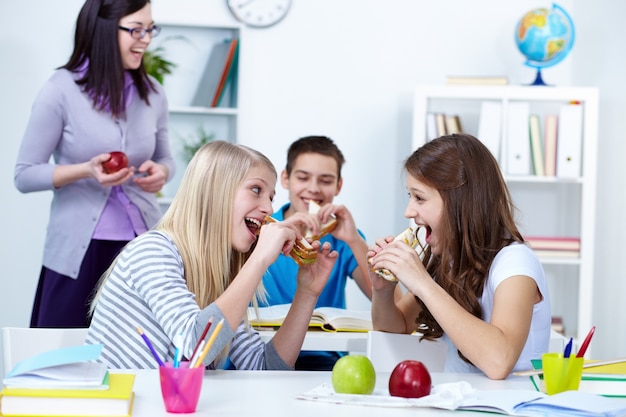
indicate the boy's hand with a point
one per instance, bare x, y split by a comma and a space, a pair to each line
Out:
346, 229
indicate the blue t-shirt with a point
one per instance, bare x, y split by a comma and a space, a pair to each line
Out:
280, 278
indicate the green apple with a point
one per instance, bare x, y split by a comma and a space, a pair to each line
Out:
354, 374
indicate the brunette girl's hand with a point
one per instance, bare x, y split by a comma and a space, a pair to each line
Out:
378, 282
96, 171
402, 261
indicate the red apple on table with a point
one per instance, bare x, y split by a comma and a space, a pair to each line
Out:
117, 161
410, 379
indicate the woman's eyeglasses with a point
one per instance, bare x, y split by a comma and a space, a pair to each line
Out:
139, 33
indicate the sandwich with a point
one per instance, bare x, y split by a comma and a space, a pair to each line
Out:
302, 252
410, 237
326, 228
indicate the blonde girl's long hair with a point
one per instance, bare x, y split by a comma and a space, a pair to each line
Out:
200, 217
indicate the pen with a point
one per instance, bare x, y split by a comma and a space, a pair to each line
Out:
568, 348
206, 330
585, 345
145, 339
178, 351
208, 344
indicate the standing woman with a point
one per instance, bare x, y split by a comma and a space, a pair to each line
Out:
100, 101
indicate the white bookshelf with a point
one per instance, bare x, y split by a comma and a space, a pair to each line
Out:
548, 206
188, 46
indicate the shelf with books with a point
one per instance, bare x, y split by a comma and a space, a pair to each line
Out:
202, 89
559, 203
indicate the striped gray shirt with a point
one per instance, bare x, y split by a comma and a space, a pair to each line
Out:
146, 289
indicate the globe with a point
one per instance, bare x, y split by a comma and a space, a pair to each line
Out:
545, 37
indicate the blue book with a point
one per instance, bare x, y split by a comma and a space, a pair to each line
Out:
71, 367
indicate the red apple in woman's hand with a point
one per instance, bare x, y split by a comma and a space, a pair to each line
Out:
117, 161
410, 379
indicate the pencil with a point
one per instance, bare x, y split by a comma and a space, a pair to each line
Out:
206, 330
145, 339
208, 344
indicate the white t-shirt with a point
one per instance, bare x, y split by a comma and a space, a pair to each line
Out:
515, 259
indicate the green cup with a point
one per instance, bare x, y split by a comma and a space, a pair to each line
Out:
561, 374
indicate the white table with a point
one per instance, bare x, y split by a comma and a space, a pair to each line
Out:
330, 341
273, 393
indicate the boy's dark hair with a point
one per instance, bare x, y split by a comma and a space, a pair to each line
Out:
314, 144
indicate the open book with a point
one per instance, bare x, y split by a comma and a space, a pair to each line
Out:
327, 318
461, 396
65, 368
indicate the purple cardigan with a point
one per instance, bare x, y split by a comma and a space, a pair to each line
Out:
64, 125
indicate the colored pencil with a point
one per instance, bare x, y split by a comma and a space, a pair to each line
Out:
204, 333
208, 344
154, 353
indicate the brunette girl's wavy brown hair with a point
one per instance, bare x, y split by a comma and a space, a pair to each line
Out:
477, 220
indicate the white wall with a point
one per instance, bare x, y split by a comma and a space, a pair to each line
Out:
345, 69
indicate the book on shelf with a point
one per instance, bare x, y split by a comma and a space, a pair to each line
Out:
518, 139
550, 136
230, 68
569, 143
551, 242
606, 380
71, 367
453, 124
440, 122
326, 318
536, 145
216, 67
476, 80
490, 126
553, 253
431, 126
115, 401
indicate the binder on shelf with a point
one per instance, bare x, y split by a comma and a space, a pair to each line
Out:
549, 143
518, 139
230, 69
440, 120
217, 65
490, 126
431, 126
569, 143
536, 145
453, 124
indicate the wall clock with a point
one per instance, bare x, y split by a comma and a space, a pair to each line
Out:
259, 13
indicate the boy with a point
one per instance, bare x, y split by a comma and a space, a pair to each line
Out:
313, 173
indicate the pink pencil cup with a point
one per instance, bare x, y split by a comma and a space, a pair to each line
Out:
180, 387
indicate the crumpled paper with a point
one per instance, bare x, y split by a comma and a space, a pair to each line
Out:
448, 396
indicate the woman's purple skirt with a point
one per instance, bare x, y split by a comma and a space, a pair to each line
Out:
61, 301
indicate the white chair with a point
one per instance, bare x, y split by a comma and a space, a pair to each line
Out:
19, 343
386, 350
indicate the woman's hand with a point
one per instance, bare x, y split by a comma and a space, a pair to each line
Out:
151, 176
108, 180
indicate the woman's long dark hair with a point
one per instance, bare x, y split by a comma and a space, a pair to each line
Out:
477, 222
96, 43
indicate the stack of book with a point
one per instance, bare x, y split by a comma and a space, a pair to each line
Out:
554, 247
66, 382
